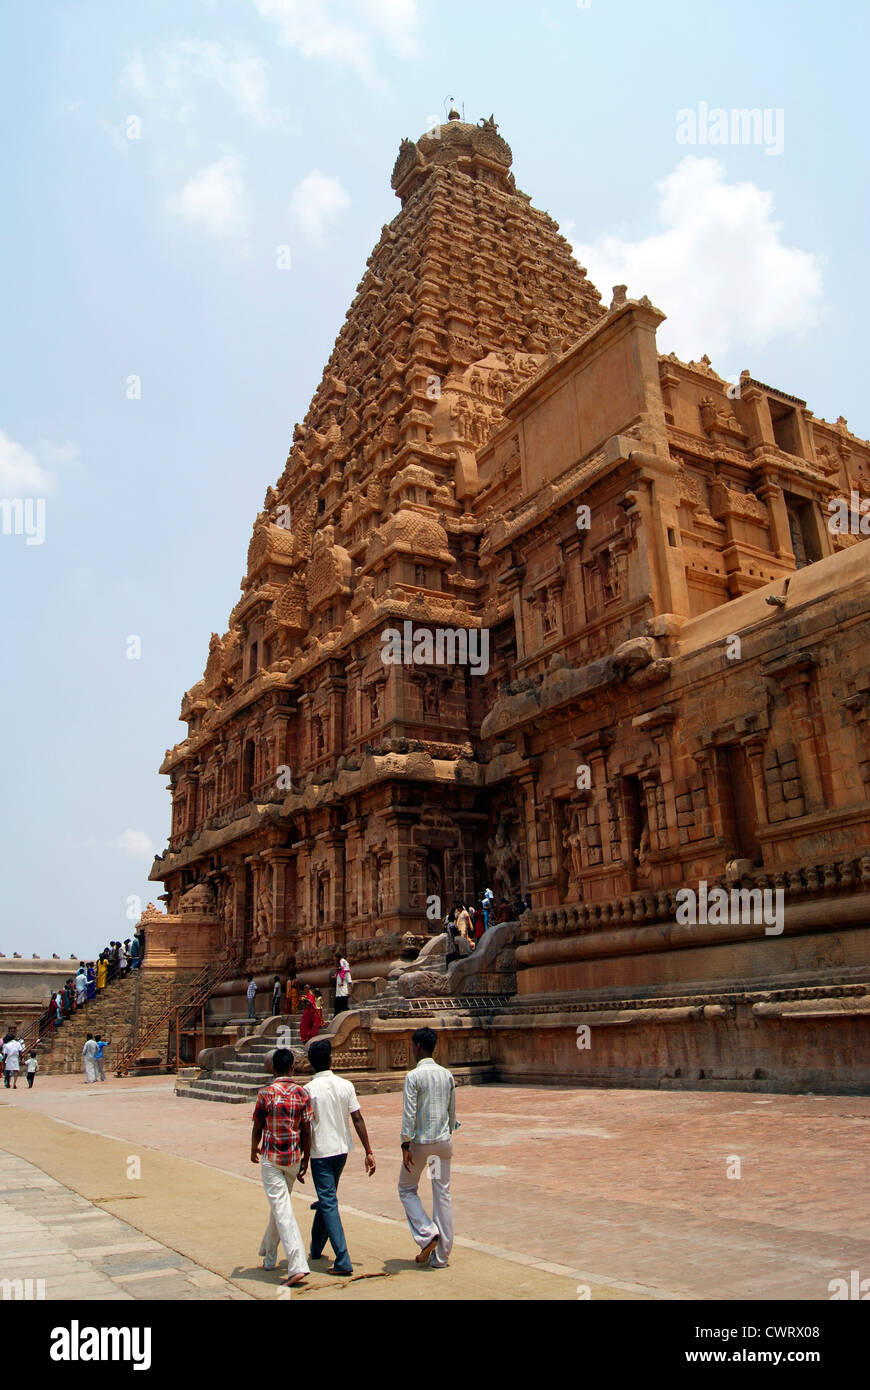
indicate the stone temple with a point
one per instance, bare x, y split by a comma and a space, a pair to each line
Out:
534, 606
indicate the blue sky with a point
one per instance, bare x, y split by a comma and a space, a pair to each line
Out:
265, 124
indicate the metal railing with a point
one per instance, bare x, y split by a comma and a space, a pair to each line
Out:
195, 994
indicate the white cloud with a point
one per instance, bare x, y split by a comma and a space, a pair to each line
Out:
215, 199
315, 203
718, 266
342, 30
172, 72
136, 843
58, 453
20, 474
135, 75
396, 20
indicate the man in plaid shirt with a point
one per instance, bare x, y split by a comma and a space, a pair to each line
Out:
282, 1121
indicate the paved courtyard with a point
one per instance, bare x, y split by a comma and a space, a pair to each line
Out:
633, 1194
56, 1245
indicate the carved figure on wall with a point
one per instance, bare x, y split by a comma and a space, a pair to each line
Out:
572, 840
501, 859
430, 695
264, 904
228, 912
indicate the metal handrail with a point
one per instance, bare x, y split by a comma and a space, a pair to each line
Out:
197, 991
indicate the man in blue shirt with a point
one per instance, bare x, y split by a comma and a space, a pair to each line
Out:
428, 1122
98, 1057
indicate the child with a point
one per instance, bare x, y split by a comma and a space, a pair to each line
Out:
32, 1065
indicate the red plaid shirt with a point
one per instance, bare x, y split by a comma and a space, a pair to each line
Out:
282, 1108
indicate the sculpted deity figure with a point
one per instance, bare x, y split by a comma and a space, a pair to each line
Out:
572, 841
228, 913
264, 904
501, 858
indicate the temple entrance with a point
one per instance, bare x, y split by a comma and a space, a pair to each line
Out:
739, 812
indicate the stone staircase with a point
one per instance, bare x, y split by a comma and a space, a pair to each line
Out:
115, 1013
237, 1080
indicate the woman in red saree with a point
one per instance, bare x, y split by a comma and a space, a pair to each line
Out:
312, 1019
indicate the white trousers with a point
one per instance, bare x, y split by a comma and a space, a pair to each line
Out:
90, 1069
434, 1159
278, 1184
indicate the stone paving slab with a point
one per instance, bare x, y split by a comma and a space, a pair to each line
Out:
626, 1190
35, 1246
178, 1203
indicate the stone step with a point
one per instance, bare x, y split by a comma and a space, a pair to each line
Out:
230, 1086
192, 1094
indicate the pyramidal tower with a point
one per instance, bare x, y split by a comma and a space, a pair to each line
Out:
323, 795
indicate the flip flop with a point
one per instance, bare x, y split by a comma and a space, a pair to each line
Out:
293, 1280
423, 1257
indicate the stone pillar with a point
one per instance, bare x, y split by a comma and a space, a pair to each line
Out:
753, 413
754, 749
780, 533
706, 760
593, 752
858, 782
353, 868
282, 862
658, 534
527, 783
650, 782
795, 676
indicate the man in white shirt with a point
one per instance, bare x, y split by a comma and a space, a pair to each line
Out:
428, 1122
89, 1052
334, 1103
12, 1051
343, 983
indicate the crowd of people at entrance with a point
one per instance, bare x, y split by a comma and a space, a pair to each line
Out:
302, 1127
303, 999
115, 962
466, 924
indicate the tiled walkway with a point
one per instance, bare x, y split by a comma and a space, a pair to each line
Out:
55, 1245
687, 1195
